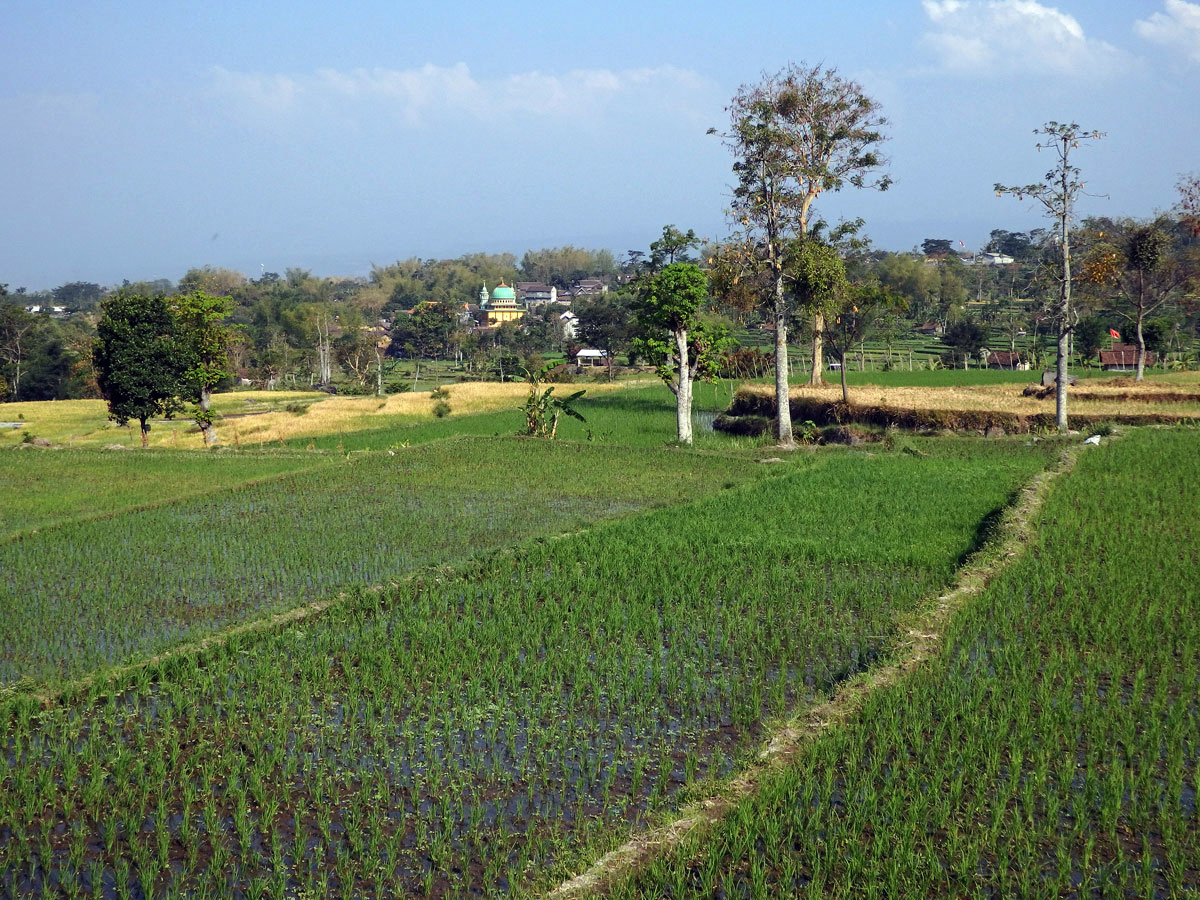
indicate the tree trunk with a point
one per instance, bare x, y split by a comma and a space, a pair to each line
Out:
206, 428
683, 396
783, 414
1141, 338
1064, 309
816, 375
845, 396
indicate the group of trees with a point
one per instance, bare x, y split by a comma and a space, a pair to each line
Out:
794, 135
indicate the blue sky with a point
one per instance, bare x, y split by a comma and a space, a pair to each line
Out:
141, 139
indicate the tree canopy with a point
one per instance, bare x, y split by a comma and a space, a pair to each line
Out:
794, 135
140, 359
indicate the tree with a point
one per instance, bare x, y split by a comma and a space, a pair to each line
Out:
671, 301
138, 359
357, 352
795, 135
1057, 195
204, 342
817, 277
604, 322
865, 305
938, 247
1090, 335
78, 295
1189, 202
672, 247
1134, 263
16, 333
965, 338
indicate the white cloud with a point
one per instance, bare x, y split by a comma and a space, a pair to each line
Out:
991, 37
430, 92
1178, 28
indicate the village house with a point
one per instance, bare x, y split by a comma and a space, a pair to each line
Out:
1006, 359
590, 357
1123, 358
587, 287
534, 293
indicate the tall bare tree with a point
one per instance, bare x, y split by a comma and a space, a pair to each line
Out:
1057, 195
794, 135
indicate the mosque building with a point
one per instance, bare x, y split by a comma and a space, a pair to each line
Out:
500, 306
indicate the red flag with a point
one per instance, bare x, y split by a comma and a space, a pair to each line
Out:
1114, 334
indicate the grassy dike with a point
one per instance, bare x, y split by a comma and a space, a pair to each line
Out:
1051, 749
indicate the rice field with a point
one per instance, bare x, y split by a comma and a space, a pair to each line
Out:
47, 488
102, 591
1051, 750
481, 729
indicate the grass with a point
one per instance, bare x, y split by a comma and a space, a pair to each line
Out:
477, 727
1052, 749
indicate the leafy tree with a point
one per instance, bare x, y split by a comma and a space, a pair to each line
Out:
563, 266
1189, 202
673, 246
965, 338
78, 295
1016, 244
1134, 265
16, 337
1090, 336
1057, 195
215, 281
671, 301
426, 332
864, 307
204, 341
795, 135
936, 247
138, 359
605, 322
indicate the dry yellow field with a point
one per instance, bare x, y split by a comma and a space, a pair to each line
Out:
1169, 395
256, 416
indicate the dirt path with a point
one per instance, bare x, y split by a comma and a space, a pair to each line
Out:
921, 641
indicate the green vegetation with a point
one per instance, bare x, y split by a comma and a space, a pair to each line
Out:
51, 488
1050, 750
97, 592
477, 727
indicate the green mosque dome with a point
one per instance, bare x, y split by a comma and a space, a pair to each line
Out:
504, 292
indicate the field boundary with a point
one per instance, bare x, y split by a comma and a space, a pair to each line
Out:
920, 639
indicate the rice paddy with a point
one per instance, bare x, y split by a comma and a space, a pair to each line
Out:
477, 728
100, 591
1051, 749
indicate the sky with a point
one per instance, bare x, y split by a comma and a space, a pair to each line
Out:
145, 138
